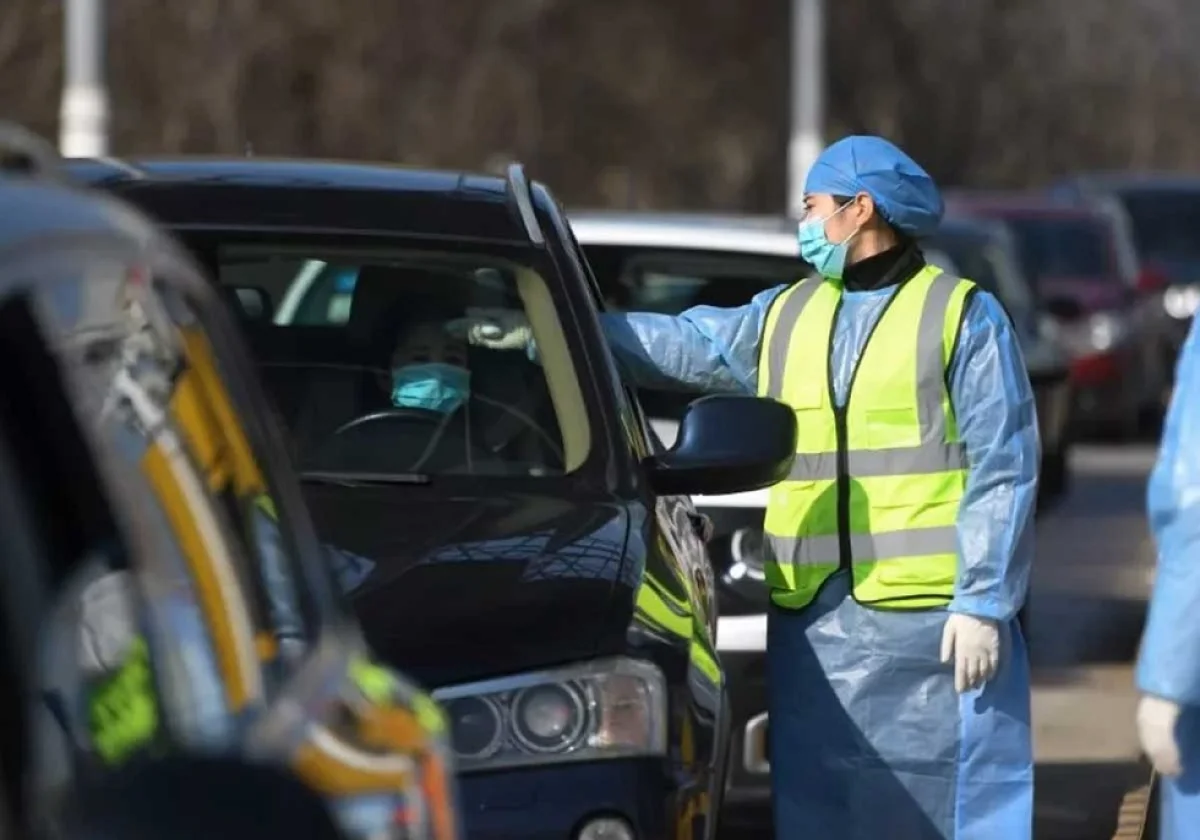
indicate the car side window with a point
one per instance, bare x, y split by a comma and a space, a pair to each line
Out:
325, 301
302, 292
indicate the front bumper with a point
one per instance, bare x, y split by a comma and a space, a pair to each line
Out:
555, 802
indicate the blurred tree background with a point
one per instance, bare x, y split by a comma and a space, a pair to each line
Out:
668, 104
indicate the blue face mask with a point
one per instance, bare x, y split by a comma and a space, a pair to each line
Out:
815, 248
433, 386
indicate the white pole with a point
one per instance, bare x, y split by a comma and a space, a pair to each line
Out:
83, 116
807, 95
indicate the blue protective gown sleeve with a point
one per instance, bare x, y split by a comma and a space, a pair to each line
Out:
705, 348
1169, 663
997, 420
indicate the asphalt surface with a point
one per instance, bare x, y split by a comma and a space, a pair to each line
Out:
1091, 581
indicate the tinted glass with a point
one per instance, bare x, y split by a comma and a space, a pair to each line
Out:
360, 359
1166, 228
1067, 246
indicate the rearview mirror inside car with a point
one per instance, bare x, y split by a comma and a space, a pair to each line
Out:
727, 444
250, 302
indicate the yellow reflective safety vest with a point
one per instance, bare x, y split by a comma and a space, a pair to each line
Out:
876, 485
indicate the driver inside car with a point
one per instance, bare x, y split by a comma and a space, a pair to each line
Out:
429, 370
442, 423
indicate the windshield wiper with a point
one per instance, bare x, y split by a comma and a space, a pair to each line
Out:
360, 479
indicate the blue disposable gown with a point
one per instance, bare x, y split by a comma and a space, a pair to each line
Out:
1169, 663
868, 737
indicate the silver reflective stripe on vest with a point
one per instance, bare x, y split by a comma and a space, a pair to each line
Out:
781, 337
868, 548
933, 454
871, 463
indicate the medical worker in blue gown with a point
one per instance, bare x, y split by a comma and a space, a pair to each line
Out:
899, 722
1168, 670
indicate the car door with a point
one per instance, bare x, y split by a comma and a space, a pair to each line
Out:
676, 516
682, 526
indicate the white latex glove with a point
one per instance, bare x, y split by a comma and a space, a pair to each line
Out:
106, 623
1156, 719
496, 329
974, 643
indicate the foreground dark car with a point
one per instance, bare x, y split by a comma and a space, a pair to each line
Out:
529, 555
186, 608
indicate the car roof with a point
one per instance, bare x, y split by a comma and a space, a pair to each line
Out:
283, 193
31, 208
966, 225
1121, 181
765, 235
1018, 204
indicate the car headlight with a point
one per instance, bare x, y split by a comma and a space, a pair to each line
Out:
612, 708
1181, 301
1095, 333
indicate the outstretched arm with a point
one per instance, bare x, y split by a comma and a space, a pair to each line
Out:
997, 421
1171, 643
705, 348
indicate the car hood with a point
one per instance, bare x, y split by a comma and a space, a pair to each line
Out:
1093, 294
461, 589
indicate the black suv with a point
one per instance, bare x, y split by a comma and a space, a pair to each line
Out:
528, 553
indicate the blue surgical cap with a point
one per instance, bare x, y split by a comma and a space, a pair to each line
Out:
903, 192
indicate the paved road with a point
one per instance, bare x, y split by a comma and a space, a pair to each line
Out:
1089, 590
1090, 586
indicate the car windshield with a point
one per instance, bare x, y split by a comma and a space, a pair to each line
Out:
1064, 246
1166, 227
360, 360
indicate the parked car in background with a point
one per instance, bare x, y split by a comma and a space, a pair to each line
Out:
986, 253
537, 560
1159, 214
1081, 269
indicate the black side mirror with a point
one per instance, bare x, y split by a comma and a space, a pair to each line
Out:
250, 302
727, 444
197, 798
